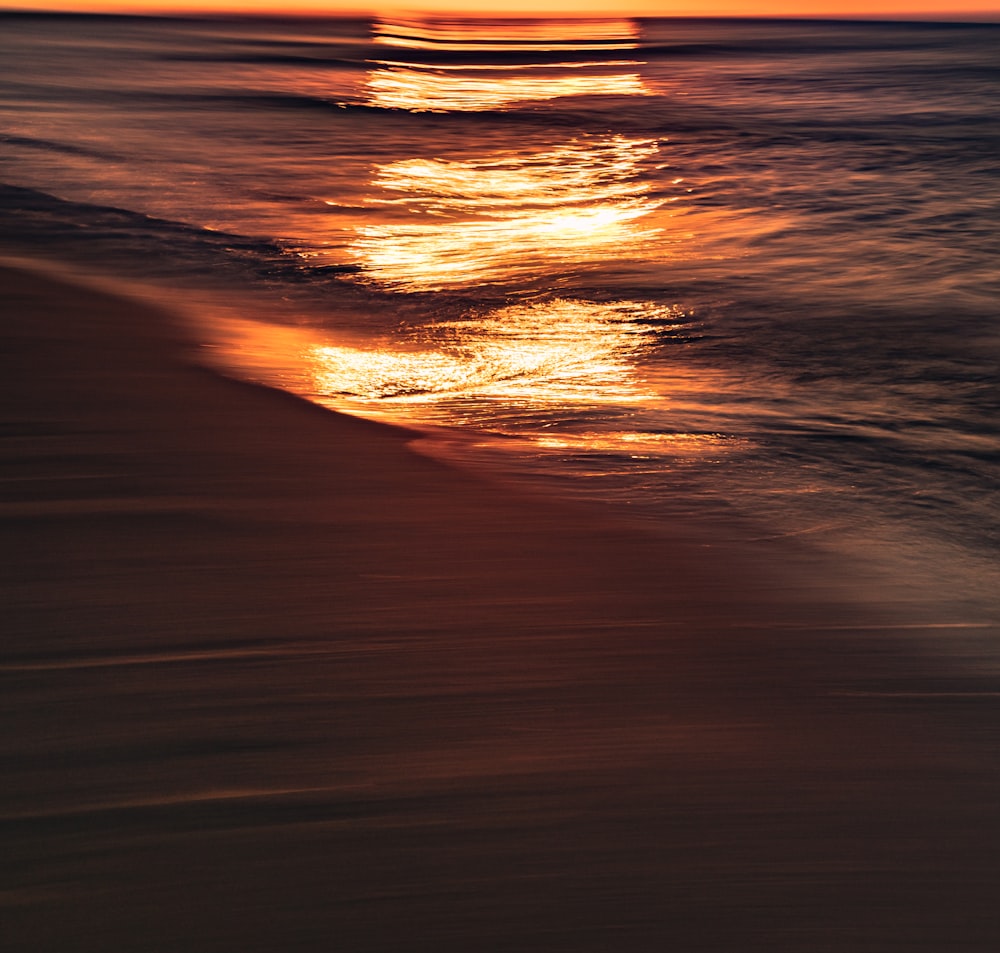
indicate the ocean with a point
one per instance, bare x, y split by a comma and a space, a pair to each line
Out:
745, 271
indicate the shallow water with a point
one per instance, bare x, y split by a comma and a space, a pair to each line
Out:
747, 267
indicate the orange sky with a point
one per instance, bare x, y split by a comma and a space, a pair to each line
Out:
978, 9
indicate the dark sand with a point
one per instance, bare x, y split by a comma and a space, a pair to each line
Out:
272, 681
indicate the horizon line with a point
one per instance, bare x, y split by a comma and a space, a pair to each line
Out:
255, 12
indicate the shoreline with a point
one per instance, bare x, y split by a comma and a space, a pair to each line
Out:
275, 678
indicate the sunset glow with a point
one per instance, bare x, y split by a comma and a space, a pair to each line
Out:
884, 9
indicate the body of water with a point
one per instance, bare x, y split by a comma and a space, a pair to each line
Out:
731, 268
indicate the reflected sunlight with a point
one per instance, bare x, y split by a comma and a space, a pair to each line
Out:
514, 215
465, 36
554, 351
558, 375
508, 216
646, 445
419, 88
471, 86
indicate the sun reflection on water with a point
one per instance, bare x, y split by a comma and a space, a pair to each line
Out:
577, 172
509, 216
555, 351
419, 88
526, 216
534, 35
562, 376
468, 86
558, 372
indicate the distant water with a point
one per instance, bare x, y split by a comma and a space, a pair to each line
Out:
735, 267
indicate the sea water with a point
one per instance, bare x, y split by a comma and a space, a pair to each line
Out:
746, 270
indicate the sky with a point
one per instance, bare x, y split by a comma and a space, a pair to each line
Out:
978, 9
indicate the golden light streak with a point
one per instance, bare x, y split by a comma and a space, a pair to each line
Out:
558, 351
501, 373
467, 36
512, 216
509, 68
432, 258
428, 89
646, 446
581, 171
427, 86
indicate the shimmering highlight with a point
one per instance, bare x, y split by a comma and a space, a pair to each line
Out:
495, 219
554, 351
420, 88
507, 35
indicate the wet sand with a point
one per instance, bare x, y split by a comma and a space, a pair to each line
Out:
273, 681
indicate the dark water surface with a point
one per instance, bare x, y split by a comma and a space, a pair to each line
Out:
749, 267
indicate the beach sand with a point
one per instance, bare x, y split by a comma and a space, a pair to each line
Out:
273, 681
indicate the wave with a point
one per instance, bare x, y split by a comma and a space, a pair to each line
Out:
49, 145
264, 59
141, 244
